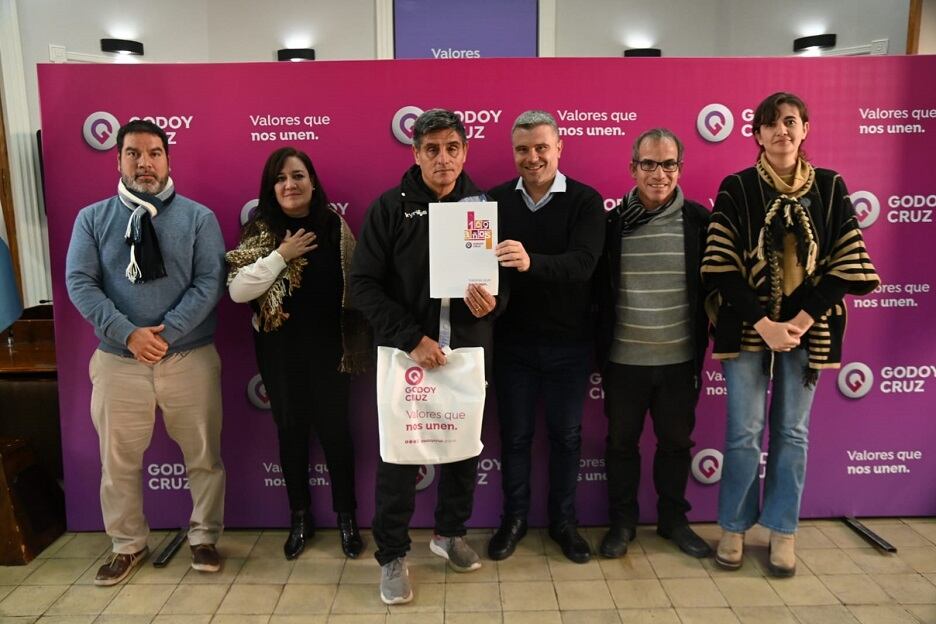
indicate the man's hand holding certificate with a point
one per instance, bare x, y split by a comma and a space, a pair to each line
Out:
462, 241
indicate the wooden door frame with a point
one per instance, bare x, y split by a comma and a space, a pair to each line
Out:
913, 26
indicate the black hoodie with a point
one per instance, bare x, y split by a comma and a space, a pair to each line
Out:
390, 271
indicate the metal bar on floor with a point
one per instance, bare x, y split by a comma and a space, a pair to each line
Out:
869, 536
166, 554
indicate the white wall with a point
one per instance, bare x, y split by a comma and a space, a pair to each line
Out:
251, 30
928, 28
723, 27
195, 30
171, 30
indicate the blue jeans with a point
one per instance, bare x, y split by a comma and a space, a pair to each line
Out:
739, 495
557, 375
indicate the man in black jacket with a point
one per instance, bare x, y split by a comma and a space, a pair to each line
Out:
390, 285
653, 335
552, 229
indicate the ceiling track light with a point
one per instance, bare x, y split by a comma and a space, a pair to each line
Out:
643, 52
122, 46
295, 54
816, 42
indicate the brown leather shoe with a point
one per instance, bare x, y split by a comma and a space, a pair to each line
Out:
118, 567
205, 558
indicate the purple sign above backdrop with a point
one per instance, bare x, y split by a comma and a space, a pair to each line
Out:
446, 29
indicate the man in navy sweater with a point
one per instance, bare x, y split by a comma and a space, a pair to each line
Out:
552, 230
146, 268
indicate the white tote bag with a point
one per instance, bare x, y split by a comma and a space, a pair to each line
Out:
430, 416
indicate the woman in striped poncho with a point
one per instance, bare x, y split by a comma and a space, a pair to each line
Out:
783, 249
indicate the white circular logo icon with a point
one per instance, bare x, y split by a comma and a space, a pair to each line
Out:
867, 207
715, 123
100, 130
402, 124
425, 477
855, 380
257, 393
247, 210
707, 465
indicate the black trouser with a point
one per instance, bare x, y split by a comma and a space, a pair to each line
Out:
557, 375
308, 394
396, 500
327, 414
670, 393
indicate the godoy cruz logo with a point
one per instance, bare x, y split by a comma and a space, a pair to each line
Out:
707, 466
413, 391
715, 123
413, 375
100, 130
867, 207
257, 394
402, 124
424, 477
478, 232
855, 380
247, 210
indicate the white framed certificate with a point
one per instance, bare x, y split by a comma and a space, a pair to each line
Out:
462, 238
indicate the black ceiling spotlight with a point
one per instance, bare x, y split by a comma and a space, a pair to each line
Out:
643, 52
122, 46
816, 42
295, 54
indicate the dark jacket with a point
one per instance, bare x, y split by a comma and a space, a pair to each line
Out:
390, 271
608, 281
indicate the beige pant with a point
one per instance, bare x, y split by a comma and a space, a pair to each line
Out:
187, 388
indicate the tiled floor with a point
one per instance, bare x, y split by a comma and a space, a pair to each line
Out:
839, 579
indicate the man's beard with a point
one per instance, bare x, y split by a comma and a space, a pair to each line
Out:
154, 189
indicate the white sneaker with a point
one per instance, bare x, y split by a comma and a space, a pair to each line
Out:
395, 587
456, 551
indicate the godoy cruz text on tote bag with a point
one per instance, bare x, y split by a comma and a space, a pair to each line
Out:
430, 416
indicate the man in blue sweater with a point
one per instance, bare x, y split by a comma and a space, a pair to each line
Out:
146, 269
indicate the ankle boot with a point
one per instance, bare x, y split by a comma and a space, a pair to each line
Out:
730, 550
351, 542
782, 561
301, 529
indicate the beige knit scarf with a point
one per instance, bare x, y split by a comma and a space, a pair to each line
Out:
787, 241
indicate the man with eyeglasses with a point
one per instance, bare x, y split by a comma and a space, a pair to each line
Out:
652, 340
551, 230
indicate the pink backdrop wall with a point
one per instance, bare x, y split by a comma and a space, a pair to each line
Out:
873, 434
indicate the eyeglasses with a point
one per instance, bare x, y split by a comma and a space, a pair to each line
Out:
669, 166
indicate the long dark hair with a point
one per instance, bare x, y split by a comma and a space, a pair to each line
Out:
268, 209
768, 111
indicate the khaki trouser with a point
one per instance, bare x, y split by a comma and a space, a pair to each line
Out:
187, 388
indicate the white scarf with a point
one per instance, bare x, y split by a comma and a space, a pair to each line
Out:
140, 204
